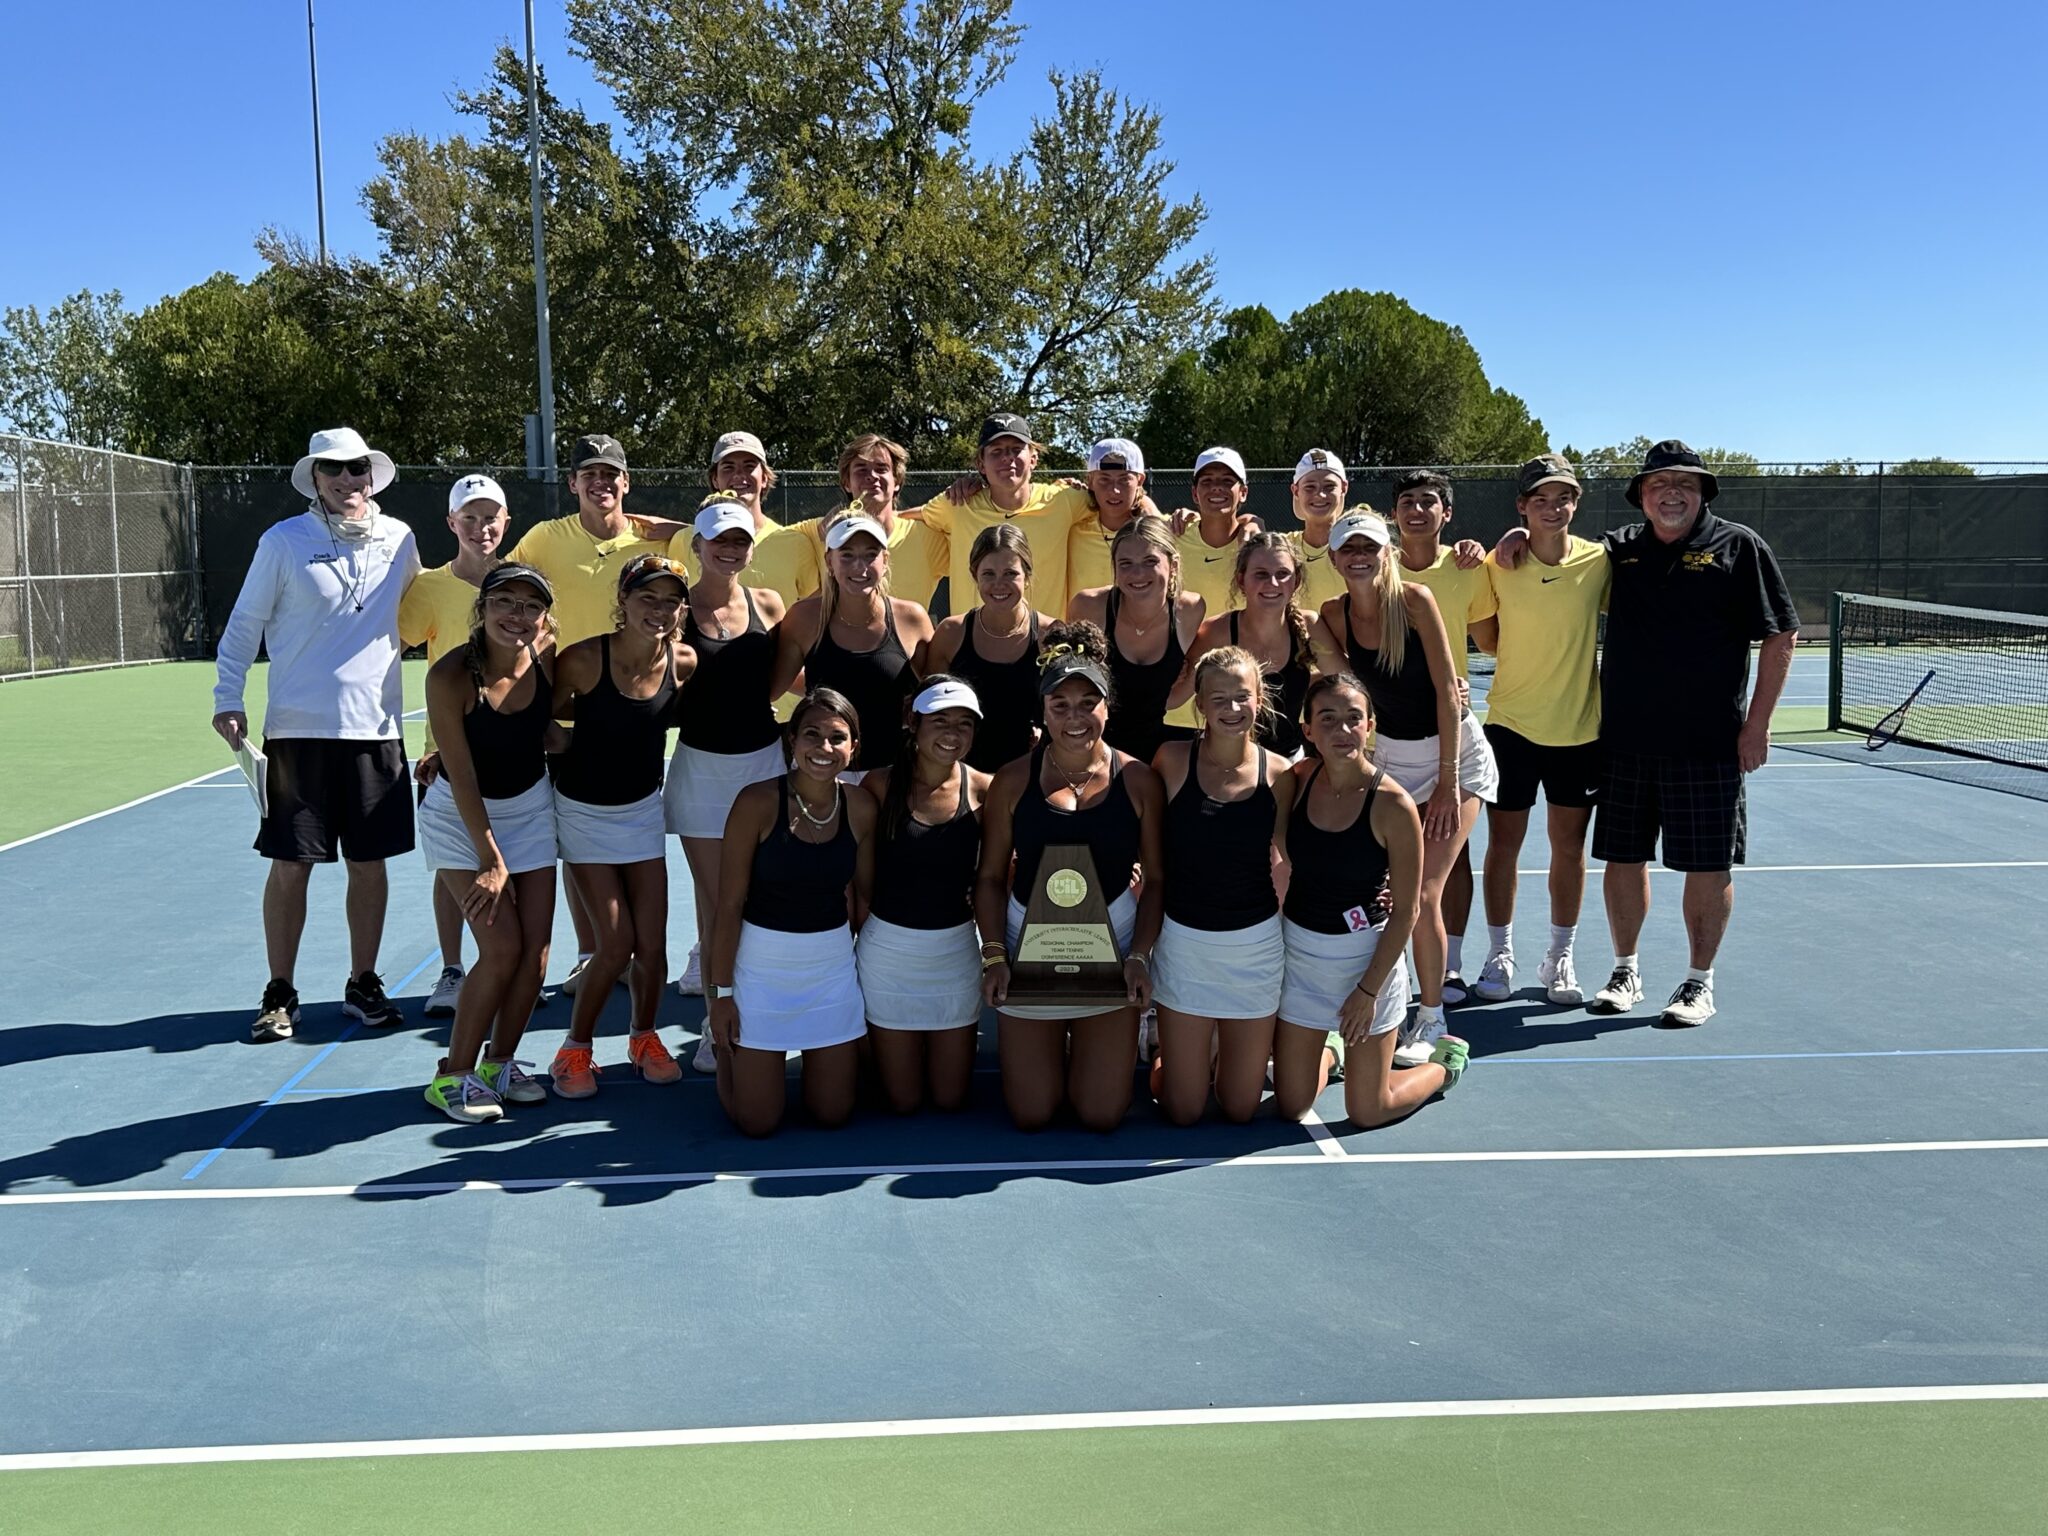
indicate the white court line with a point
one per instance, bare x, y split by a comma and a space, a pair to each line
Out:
1326, 1143
415, 1187
994, 1424
1830, 869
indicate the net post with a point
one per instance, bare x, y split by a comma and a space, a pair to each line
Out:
114, 533
1834, 661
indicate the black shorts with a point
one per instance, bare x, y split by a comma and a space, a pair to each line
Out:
1569, 776
1697, 804
324, 793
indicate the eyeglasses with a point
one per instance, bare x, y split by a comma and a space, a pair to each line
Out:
515, 607
342, 466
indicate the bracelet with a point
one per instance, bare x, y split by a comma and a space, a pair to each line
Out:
990, 962
1141, 957
993, 947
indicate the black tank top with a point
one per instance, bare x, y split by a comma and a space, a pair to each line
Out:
1219, 855
1404, 702
1109, 828
725, 707
1137, 713
614, 755
875, 682
1008, 691
800, 887
505, 747
924, 875
1285, 689
1333, 871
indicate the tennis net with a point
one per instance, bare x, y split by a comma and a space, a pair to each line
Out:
1985, 673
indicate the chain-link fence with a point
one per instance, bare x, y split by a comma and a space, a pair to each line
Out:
99, 560
1977, 540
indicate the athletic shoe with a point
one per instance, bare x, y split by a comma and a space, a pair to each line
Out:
365, 1000
1690, 1006
575, 976
706, 1059
1559, 981
1148, 1036
465, 1097
650, 1058
1451, 1054
1623, 991
510, 1081
1454, 989
1496, 983
279, 1015
1417, 1040
573, 1074
441, 1001
1335, 1046
691, 982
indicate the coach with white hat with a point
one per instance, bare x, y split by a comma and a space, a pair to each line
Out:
322, 596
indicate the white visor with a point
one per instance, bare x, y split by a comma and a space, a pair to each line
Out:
723, 517
950, 694
847, 527
1359, 525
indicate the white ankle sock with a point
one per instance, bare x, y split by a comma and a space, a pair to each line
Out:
1429, 1013
1501, 935
1561, 938
1627, 963
1694, 973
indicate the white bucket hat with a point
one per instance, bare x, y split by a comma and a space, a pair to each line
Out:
342, 443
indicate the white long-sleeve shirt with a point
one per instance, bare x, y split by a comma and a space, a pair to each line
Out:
327, 610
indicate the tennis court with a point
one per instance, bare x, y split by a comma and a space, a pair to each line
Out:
1782, 1272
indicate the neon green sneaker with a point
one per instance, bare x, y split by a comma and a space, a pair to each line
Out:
1451, 1054
465, 1098
1335, 1046
510, 1081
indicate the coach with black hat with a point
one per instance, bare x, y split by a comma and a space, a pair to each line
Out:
1678, 724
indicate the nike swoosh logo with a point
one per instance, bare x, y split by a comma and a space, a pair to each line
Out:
1212, 559
1549, 579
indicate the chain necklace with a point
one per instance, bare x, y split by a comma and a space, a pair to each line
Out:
981, 623
1074, 785
804, 809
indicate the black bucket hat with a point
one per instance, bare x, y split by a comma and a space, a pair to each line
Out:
1672, 454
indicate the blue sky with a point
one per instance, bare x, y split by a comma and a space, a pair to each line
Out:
1806, 230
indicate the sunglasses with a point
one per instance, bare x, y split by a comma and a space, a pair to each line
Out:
342, 466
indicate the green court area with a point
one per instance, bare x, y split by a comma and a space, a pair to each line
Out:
1855, 1470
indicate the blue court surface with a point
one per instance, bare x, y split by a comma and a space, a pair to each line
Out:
1834, 1188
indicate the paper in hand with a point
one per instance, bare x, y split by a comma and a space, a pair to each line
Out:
256, 770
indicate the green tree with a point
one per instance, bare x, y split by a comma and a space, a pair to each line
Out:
1623, 460
59, 378
1365, 375
1931, 467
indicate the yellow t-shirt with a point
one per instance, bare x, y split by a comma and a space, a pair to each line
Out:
1088, 562
436, 612
1319, 579
1206, 570
584, 571
1462, 597
1048, 518
1546, 683
785, 561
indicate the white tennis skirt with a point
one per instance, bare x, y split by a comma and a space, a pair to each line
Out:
1414, 764
1228, 975
702, 786
1123, 918
797, 991
609, 834
523, 825
919, 978
1323, 969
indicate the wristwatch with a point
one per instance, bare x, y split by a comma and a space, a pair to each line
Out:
718, 993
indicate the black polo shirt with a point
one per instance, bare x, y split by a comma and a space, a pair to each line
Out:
1674, 672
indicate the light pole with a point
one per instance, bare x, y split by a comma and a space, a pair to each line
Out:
319, 178
540, 259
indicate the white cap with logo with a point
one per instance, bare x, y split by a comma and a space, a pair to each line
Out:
1315, 462
1229, 458
1360, 524
1121, 448
738, 442
472, 488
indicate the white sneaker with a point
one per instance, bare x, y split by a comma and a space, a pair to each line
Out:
1148, 1036
1417, 1040
706, 1058
1623, 991
575, 976
1454, 989
1496, 981
1690, 1006
1560, 983
441, 1001
691, 982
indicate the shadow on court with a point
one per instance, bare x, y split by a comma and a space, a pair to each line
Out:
1530, 1023
173, 1034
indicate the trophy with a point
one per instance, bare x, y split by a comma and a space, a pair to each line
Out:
1067, 951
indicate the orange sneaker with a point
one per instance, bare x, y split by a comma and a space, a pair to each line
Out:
650, 1058
574, 1076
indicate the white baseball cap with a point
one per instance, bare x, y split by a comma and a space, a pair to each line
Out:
1117, 448
723, 514
1229, 458
1360, 524
837, 535
1315, 461
738, 442
472, 488
948, 693
347, 445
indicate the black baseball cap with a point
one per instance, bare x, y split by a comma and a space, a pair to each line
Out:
1546, 469
1672, 454
596, 448
1005, 424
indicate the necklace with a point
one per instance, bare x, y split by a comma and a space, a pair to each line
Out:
804, 809
351, 584
981, 623
1074, 785
717, 615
